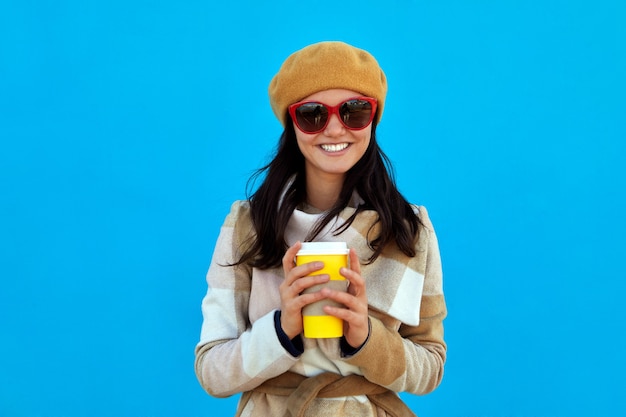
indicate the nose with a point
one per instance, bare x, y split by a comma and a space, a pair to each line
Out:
334, 126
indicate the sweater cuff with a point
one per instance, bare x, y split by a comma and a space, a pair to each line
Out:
294, 346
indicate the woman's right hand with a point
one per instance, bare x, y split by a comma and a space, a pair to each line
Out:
291, 298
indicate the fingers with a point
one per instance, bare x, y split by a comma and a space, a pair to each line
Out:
355, 298
289, 262
291, 317
353, 273
354, 315
355, 263
355, 310
294, 297
290, 257
350, 301
300, 285
297, 280
353, 318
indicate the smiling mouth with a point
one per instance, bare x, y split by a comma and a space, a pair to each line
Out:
335, 147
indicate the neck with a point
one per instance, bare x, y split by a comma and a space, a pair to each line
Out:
323, 193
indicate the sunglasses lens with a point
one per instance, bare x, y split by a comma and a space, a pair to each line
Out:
356, 114
311, 117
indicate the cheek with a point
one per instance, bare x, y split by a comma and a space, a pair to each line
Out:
303, 140
366, 137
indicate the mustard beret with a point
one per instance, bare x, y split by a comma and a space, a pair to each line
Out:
324, 66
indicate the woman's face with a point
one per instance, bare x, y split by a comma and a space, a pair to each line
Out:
330, 153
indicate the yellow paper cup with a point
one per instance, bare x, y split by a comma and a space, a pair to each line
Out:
317, 324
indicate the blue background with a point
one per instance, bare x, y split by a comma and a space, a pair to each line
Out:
128, 128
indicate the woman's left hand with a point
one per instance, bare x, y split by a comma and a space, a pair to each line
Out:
354, 315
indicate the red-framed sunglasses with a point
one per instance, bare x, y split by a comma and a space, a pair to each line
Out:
312, 116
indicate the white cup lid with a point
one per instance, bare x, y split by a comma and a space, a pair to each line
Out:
323, 248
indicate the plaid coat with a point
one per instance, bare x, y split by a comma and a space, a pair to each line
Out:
239, 350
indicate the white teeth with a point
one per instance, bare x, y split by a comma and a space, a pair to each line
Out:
334, 147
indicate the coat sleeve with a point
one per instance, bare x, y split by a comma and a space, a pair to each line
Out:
414, 356
234, 355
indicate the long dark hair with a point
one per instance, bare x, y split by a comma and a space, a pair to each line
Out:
283, 189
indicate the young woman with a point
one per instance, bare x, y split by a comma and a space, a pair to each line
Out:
329, 181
